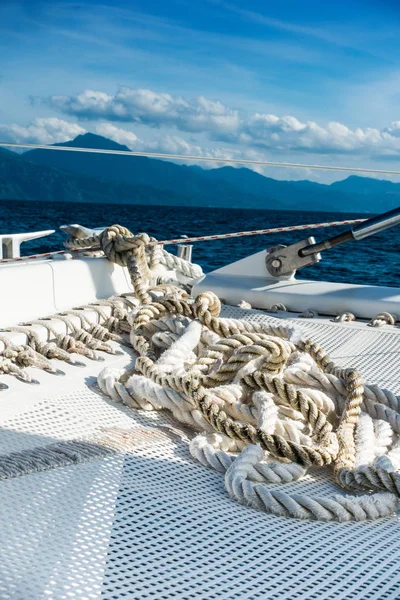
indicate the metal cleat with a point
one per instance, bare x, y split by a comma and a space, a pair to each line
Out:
10, 244
80, 232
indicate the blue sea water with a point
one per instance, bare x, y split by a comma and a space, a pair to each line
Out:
374, 261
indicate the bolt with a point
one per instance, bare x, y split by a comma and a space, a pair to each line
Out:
276, 263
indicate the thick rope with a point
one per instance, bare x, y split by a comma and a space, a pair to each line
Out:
266, 402
383, 318
82, 340
251, 385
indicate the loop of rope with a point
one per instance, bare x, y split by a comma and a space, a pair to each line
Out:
383, 318
345, 317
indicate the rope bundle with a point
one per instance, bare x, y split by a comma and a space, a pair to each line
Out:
269, 403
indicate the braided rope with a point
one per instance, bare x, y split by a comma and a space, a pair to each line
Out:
83, 340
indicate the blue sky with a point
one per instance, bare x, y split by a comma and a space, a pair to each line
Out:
297, 81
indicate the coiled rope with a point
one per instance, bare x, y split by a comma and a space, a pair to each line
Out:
268, 404
233, 380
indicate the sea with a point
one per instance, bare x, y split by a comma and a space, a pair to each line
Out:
373, 261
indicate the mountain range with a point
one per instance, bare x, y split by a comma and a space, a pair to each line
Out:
79, 177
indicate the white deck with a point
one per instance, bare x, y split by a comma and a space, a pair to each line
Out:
151, 523
248, 279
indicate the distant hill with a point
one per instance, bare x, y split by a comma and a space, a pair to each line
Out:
367, 186
303, 195
137, 170
73, 176
22, 180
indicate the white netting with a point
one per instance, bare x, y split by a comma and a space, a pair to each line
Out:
150, 522
375, 353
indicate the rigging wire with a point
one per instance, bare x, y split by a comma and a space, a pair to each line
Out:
235, 161
187, 240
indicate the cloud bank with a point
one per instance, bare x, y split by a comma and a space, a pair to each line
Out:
224, 124
173, 144
41, 131
148, 121
150, 108
51, 131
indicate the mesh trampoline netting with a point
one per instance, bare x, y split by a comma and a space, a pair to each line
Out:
149, 522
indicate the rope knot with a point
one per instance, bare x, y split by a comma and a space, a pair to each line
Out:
118, 243
21, 355
25, 357
11, 352
345, 317
207, 302
383, 318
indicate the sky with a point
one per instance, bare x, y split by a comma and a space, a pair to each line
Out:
294, 81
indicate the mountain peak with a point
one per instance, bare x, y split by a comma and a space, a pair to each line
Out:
91, 140
226, 186
366, 185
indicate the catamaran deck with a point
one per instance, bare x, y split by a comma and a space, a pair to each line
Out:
150, 522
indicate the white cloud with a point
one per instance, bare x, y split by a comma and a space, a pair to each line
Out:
289, 134
51, 130
150, 108
224, 124
394, 129
168, 144
121, 136
260, 137
41, 131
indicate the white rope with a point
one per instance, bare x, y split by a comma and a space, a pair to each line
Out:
266, 402
379, 403
244, 350
383, 318
338, 508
